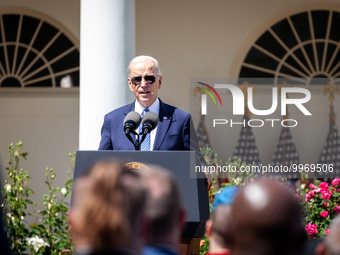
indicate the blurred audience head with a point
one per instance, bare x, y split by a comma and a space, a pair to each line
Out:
268, 220
164, 207
220, 227
108, 208
331, 245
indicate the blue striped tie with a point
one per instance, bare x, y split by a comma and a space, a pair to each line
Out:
145, 146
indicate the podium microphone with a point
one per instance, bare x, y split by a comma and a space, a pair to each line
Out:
149, 123
131, 122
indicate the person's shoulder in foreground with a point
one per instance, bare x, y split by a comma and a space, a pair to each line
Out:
159, 250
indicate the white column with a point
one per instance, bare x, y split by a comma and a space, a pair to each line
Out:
107, 44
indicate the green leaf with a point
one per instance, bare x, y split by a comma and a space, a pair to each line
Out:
28, 201
68, 182
41, 226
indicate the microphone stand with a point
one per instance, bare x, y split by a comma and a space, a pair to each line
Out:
146, 130
137, 143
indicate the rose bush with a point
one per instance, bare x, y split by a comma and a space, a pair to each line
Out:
321, 203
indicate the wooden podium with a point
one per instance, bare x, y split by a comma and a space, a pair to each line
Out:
192, 185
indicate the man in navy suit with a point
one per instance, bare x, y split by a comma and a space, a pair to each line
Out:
175, 129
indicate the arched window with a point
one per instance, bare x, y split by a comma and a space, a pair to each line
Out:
302, 46
36, 51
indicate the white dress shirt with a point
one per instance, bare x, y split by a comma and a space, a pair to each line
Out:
155, 108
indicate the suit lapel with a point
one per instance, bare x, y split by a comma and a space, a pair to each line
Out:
165, 119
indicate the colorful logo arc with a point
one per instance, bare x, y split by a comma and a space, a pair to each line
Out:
208, 92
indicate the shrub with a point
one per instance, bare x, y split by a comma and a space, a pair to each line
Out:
49, 234
321, 203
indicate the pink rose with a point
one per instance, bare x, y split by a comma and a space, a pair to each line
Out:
324, 203
324, 214
312, 186
324, 185
318, 190
311, 229
326, 194
298, 196
327, 231
335, 182
337, 209
309, 195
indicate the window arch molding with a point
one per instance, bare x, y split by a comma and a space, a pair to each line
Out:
38, 55
308, 70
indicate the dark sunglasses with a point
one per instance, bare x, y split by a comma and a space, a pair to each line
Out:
149, 79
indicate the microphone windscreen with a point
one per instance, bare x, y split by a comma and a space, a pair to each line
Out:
133, 118
151, 118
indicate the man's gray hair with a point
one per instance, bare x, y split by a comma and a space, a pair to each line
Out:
333, 239
143, 58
